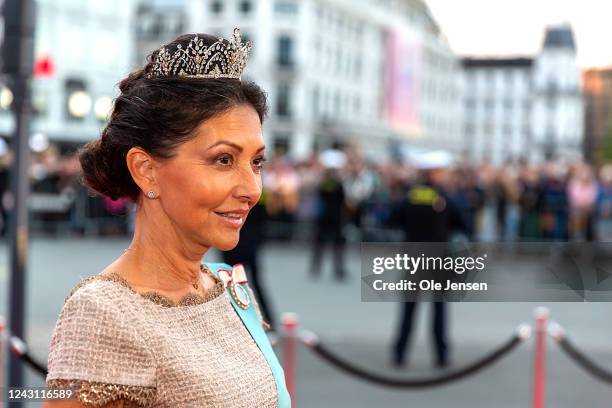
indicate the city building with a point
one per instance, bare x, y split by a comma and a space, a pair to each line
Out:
378, 73
597, 88
498, 103
82, 49
525, 107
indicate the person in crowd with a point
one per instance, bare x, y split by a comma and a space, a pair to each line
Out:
506, 192
427, 214
359, 184
469, 197
553, 203
529, 204
604, 205
6, 158
309, 173
282, 185
331, 215
582, 192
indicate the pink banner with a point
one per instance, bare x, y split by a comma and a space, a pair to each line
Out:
402, 78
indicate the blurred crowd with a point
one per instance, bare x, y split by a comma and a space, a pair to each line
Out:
58, 201
515, 201
352, 196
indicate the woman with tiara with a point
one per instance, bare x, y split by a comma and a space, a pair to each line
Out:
157, 327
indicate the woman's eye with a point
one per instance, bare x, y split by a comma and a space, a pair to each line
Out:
259, 163
225, 159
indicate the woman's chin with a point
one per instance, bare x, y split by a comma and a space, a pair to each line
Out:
227, 245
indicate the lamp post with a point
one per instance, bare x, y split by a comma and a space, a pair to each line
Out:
18, 50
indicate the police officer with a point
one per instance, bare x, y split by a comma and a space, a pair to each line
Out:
425, 213
331, 215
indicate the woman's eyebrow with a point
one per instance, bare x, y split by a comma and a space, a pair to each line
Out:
234, 145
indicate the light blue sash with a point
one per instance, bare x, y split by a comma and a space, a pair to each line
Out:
251, 321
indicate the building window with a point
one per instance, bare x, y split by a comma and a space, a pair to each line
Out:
246, 6
469, 129
329, 58
315, 101
326, 102
174, 24
39, 102
357, 67
318, 57
507, 129
526, 106
526, 131
145, 24
472, 80
338, 60
285, 7
359, 30
319, 13
216, 7
280, 143
78, 101
283, 100
285, 51
157, 27
348, 65
330, 18
341, 23
337, 103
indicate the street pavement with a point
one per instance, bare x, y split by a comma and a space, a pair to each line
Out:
357, 331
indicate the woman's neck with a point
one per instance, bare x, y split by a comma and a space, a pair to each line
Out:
160, 261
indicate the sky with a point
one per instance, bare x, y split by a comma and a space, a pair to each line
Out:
516, 27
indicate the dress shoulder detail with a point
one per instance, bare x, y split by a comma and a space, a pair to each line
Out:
79, 285
190, 299
98, 394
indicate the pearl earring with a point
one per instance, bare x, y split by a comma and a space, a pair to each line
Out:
151, 194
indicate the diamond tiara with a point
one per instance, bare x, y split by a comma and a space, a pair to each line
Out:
218, 60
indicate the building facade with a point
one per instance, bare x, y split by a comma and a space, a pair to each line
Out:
376, 74
86, 48
529, 107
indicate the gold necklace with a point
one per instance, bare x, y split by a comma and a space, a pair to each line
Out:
195, 285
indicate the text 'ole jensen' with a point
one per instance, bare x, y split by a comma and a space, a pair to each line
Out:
405, 284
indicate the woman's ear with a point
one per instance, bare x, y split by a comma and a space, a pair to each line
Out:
142, 167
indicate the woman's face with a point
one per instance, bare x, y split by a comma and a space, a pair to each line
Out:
219, 171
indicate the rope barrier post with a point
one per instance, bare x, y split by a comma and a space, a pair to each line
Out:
290, 324
541, 315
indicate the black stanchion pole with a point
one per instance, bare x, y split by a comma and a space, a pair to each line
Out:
17, 64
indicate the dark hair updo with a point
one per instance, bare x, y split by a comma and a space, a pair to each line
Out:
159, 114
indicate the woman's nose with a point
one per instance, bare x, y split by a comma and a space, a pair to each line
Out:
249, 185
